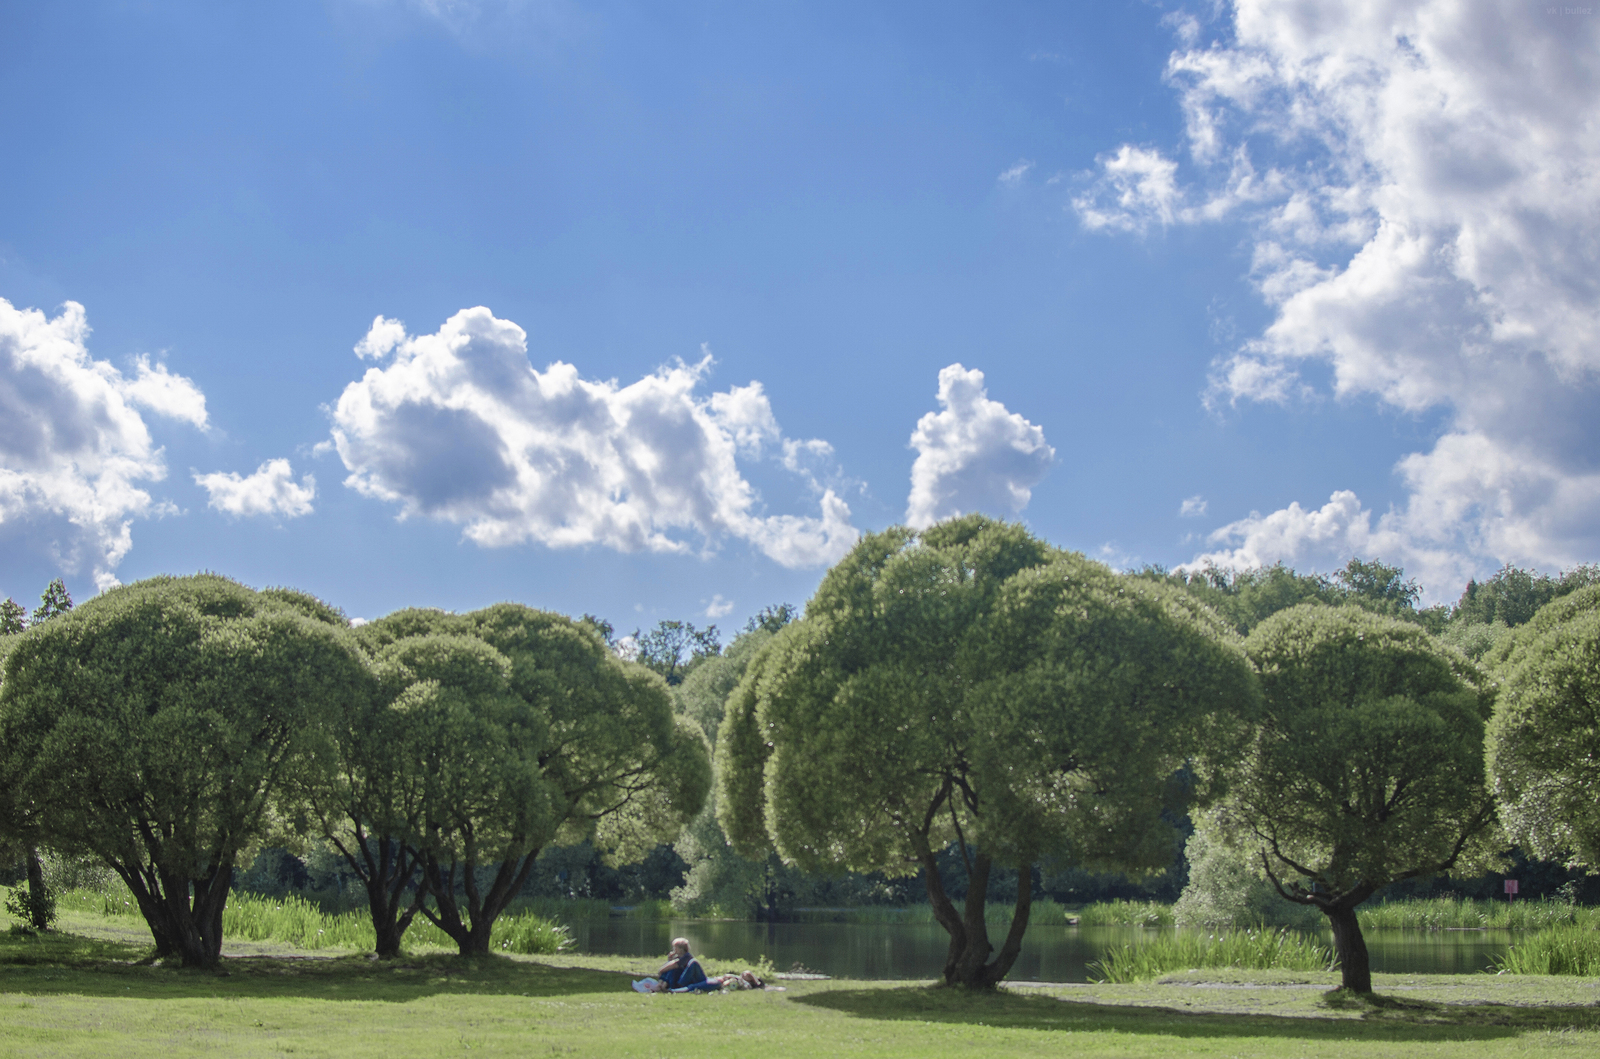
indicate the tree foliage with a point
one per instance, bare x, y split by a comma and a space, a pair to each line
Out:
1246, 598
973, 685
55, 602
1544, 741
152, 726
1367, 767
13, 617
501, 731
673, 648
1513, 595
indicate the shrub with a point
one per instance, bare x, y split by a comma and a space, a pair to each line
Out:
36, 912
1225, 893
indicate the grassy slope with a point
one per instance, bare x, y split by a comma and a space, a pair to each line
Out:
84, 993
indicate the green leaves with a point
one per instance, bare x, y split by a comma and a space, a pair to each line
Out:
977, 678
153, 725
1368, 766
1544, 741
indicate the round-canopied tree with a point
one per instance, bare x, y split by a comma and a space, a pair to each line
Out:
501, 731
1544, 739
152, 725
973, 685
1367, 767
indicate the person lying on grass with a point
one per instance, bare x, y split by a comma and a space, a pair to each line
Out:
681, 973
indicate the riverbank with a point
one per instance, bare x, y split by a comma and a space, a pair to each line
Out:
90, 994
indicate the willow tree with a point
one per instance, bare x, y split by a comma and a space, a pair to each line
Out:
152, 726
973, 685
1544, 740
1367, 768
500, 732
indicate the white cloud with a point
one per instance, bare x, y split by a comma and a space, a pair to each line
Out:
381, 338
1193, 507
459, 426
72, 444
1426, 222
1013, 176
974, 455
166, 394
719, 607
269, 491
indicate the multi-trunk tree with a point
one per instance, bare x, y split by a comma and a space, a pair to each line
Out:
1367, 767
153, 725
494, 734
973, 685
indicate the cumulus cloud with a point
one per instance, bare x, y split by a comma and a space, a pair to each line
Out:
459, 426
1421, 184
269, 491
719, 607
73, 446
1193, 507
974, 455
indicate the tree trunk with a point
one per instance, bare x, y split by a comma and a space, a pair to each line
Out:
38, 899
967, 962
1349, 947
386, 872
189, 928
471, 933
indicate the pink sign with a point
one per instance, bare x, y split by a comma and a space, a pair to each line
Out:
1511, 886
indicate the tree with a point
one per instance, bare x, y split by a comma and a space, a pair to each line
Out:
772, 618
54, 602
1367, 767
366, 797
13, 617
1513, 595
1378, 585
1544, 740
672, 648
1248, 597
523, 729
152, 726
973, 685
1245, 598
719, 881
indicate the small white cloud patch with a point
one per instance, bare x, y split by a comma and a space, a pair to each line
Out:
1013, 176
974, 455
269, 491
1193, 507
719, 607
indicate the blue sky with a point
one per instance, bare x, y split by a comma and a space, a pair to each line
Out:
1238, 284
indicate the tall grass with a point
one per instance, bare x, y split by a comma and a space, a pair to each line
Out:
1286, 950
1565, 949
1126, 914
1445, 913
295, 921
300, 923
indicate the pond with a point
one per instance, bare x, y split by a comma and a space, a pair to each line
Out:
916, 950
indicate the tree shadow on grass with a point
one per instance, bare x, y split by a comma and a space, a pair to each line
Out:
67, 963
1386, 1019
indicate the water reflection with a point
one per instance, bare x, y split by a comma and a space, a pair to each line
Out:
917, 950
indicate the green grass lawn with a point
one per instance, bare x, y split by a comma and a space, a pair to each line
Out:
88, 990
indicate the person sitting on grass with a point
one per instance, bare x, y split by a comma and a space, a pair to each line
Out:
680, 974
